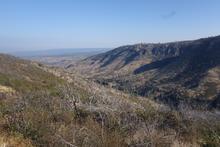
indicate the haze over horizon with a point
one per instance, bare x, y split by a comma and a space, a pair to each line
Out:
29, 25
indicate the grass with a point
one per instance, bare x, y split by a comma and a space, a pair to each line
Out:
22, 85
15, 140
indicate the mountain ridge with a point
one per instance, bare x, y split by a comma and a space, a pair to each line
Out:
148, 69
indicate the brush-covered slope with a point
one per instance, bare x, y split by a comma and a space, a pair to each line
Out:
190, 68
42, 106
24, 76
19, 78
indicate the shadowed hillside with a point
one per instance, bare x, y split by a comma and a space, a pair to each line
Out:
190, 70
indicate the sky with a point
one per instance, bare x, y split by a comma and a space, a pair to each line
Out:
56, 24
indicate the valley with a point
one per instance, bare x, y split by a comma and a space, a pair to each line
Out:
109, 73
138, 95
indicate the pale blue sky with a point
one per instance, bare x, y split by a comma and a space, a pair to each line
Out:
51, 24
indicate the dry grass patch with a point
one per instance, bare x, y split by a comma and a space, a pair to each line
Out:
15, 140
6, 90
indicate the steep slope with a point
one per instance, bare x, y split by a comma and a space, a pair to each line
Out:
126, 59
190, 68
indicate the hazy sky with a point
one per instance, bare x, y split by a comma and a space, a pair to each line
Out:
50, 24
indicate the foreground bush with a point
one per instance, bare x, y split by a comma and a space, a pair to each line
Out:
62, 119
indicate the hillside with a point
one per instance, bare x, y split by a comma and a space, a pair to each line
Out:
188, 70
44, 106
37, 102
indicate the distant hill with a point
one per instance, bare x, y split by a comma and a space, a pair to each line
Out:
189, 70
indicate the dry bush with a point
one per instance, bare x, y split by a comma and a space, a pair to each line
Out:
63, 119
